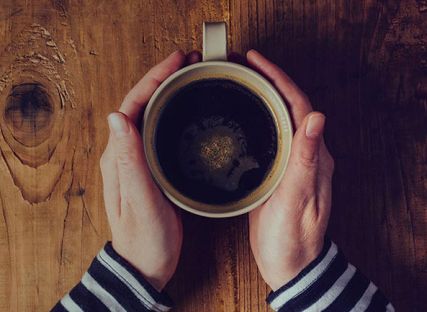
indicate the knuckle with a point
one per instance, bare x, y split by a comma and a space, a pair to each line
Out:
327, 169
106, 159
330, 163
308, 160
126, 158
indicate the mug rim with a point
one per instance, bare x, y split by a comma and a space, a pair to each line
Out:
284, 139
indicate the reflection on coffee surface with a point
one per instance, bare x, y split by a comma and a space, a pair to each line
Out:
215, 141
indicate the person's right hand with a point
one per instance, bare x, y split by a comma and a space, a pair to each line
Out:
146, 229
287, 231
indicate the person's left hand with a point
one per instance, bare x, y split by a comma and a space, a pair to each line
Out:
287, 231
146, 229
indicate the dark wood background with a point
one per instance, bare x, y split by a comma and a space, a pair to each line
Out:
362, 62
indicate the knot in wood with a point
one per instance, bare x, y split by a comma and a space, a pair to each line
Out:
28, 113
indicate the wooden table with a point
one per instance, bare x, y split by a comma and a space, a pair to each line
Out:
363, 63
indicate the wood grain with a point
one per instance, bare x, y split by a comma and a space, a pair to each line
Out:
64, 65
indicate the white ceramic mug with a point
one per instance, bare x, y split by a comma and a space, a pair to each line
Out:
215, 66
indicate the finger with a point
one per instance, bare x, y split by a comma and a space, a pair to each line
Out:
136, 184
300, 179
299, 104
111, 185
141, 93
193, 57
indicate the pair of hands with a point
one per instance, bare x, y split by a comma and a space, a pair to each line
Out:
286, 232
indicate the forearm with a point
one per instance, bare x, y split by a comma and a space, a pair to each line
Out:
111, 283
329, 283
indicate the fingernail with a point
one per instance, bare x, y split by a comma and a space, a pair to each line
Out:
253, 51
118, 124
315, 126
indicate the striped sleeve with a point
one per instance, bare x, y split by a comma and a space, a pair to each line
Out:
329, 283
112, 284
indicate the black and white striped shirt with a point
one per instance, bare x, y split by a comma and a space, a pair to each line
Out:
328, 283
113, 284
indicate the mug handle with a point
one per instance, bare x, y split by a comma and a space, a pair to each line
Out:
214, 41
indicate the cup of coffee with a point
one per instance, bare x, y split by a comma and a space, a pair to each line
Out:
217, 135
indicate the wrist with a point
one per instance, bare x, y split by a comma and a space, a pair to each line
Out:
152, 274
117, 276
298, 259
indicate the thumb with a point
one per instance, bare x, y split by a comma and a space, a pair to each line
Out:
301, 174
136, 184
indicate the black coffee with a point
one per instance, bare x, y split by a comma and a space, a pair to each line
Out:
215, 141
